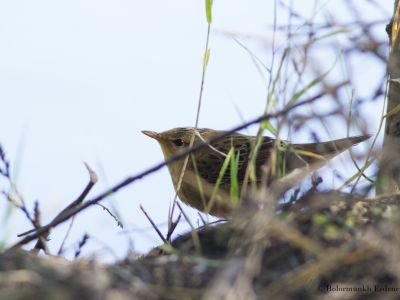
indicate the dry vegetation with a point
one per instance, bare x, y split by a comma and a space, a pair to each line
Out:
316, 243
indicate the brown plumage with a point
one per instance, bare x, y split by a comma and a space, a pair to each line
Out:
202, 171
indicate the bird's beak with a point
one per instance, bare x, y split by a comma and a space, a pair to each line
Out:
152, 134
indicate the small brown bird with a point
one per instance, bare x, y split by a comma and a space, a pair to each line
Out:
203, 170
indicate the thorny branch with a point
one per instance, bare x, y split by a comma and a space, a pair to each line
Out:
64, 214
13, 195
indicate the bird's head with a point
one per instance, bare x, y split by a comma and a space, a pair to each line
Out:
174, 140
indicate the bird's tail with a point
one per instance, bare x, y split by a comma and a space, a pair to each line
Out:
335, 146
312, 152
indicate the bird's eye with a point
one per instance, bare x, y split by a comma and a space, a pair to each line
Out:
178, 142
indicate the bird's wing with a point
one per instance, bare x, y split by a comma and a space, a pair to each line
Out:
289, 156
209, 163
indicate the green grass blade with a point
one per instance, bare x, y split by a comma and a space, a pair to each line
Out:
199, 182
209, 11
234, 192
206, 57
266, 124
219, 179
300, 93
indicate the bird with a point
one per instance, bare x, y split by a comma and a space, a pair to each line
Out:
203, 167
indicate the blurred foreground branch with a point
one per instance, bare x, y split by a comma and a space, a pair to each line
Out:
336, 245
